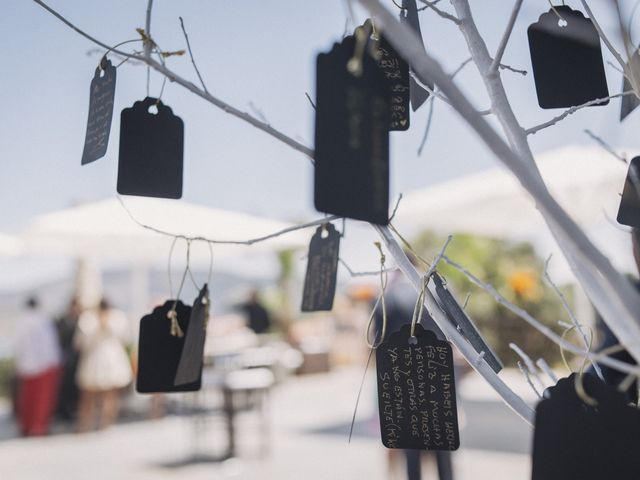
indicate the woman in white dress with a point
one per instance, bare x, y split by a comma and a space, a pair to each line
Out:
104, 367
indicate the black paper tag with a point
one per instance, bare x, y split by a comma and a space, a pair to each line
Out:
631, 101
101, 98
191, 359
396, 71
416, 392
567, 60
159, 352
409, 16
459, 318
151, 151
629, 211
575, 441
322, 267
351, 137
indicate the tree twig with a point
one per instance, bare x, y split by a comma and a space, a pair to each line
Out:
542, 328
214, 241
193, 62
527, 377
571, 315
603, 36
605, 145
440, 12
512, 69
497, 59
528, 362
571, 111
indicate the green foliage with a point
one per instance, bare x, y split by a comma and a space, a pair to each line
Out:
6, 376
518, 274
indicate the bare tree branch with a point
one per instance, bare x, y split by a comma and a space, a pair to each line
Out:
173, 77
193, 61
505, 37
442, 13
604, 37
542, 328
525, 373
571, 111
572, 316
512, 69
611, 292
605, 145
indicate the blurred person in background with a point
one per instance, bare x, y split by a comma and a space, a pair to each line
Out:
68, 394
104, 367
37, 360
258, 318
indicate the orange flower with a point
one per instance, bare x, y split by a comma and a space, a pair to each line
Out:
525, 284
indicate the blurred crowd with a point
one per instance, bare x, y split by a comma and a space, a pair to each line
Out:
75, 367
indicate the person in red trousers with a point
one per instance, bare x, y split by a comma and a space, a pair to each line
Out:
37, 362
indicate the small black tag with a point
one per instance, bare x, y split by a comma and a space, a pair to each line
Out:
575, 441
322, 267
101, 97
351, 137
191, 360
396, 71
409, 16
631, 101
567, 60
159, 352
416, 391
629, 211
151, 150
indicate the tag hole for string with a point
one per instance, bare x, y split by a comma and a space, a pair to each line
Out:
413, 341
153, 109
325, 233
562, 23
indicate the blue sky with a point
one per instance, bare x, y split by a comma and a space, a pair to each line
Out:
249, 52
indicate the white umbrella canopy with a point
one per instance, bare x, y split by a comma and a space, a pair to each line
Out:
10, 246
105, 229
586, 181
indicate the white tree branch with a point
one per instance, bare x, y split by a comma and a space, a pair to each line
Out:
505, 37
441, 13
604, 37
528, 362
571, 111
539, 326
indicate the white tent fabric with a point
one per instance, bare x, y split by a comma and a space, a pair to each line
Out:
9, 246
105, 230
586, 181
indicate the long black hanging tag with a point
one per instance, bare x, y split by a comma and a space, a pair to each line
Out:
416, 391
629, 210
462, 322
322, 268
566, 59
191, 359
151, 151
574, 440
101, 98
159, 351
396, 71
351, 137
630, 102
409, 15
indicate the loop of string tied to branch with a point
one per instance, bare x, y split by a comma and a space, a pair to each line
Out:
172, 314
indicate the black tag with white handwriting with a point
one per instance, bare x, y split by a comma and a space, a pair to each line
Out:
576, 441
409, 16
101, 97
151, 150
416, 391
396, 71
629, 211
351, 137
567, 60
631, 101
159, 351
322, 267
191, 359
